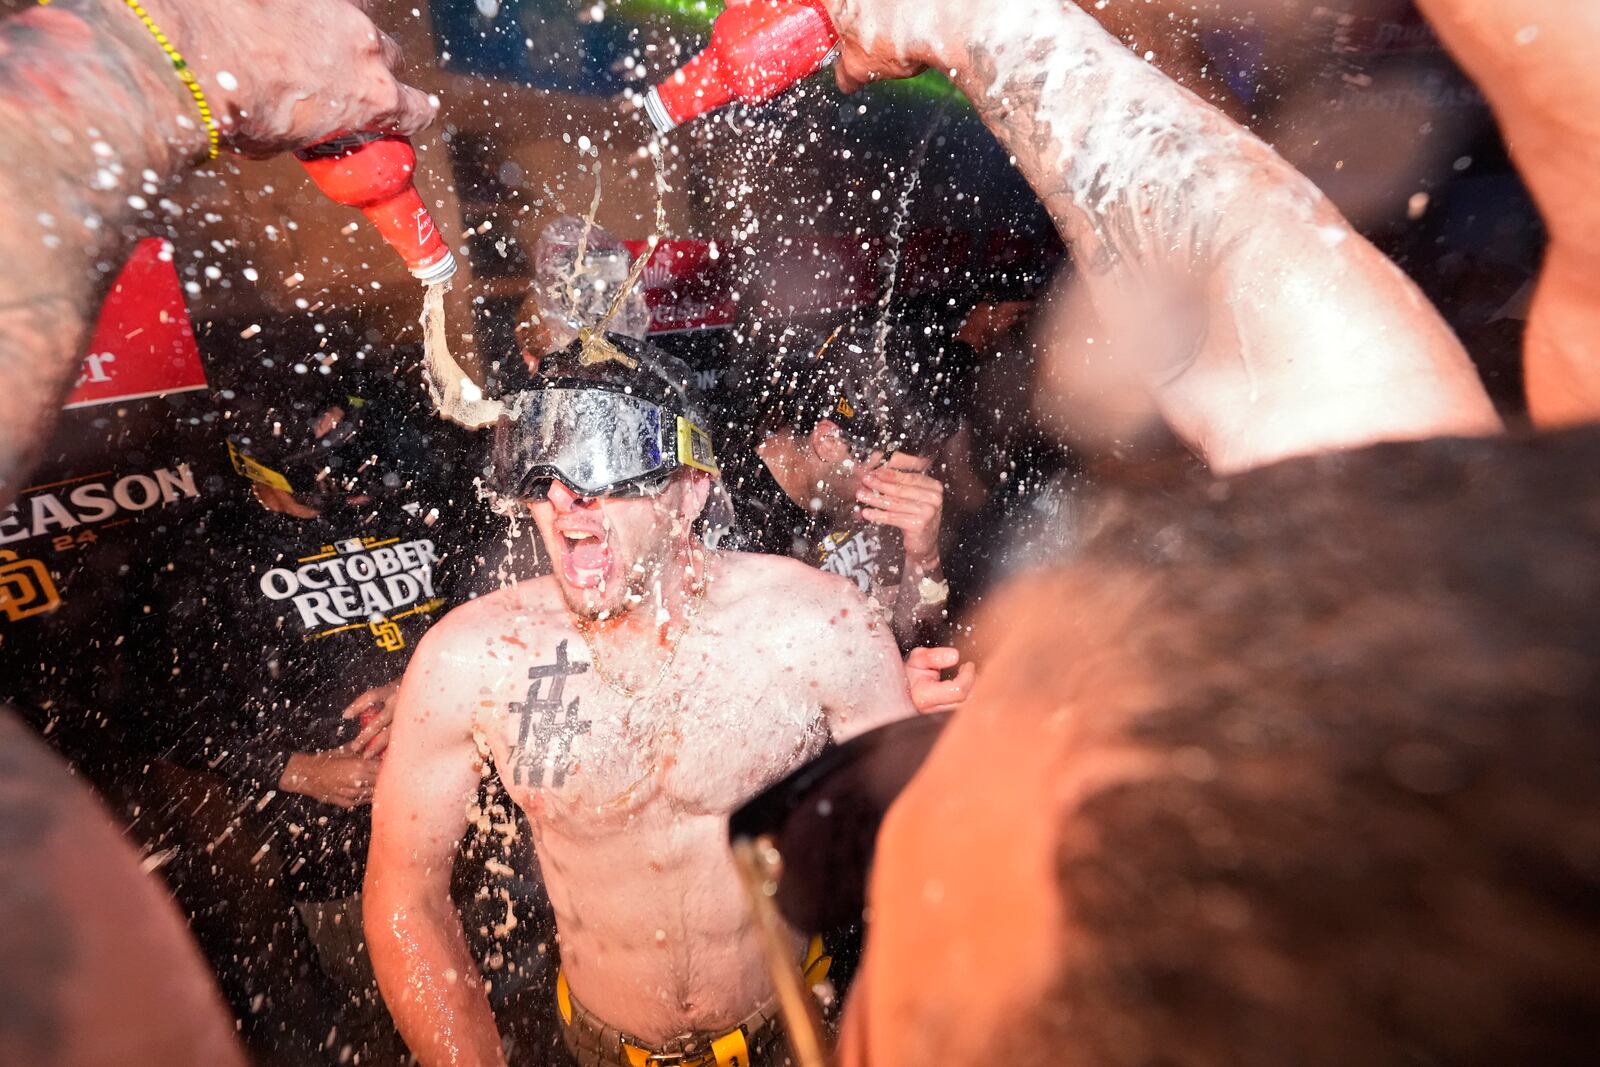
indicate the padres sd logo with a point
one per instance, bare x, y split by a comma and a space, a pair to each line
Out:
26, 588
387, 635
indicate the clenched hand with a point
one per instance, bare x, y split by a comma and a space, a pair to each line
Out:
289, 73
375, 709
883, 39
930, 692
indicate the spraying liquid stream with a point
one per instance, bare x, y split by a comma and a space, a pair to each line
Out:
596, 349
455, 396
880, 338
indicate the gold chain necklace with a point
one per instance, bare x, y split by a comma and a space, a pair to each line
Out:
633, 694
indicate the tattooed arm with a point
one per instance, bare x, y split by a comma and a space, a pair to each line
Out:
429, 781
1215, 274
94, 122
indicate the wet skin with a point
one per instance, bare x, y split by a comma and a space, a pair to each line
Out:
957, 944
1535, 63
1211, 274
627, 795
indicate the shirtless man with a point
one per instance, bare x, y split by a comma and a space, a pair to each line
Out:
631, 699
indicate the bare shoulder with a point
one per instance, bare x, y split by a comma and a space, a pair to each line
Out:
480, 651
741, 574
789, 617
468, 631
782, 591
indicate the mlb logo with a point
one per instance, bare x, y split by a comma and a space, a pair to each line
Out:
344, 548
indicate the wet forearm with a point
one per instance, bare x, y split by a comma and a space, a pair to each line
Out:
1216, 273
1137, 172
916, 616
428, 978
92, 121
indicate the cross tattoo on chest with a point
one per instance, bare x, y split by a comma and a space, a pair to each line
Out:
547, 728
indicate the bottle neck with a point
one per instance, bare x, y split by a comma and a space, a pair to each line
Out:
341, 145
405, 224
697, 87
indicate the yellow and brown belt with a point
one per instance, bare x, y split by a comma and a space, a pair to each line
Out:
594, 1042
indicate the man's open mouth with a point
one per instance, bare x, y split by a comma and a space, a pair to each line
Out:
585, 557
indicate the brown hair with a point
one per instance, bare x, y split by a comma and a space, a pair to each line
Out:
1376, 840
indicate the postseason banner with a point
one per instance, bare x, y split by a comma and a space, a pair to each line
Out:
70, 547
143, 345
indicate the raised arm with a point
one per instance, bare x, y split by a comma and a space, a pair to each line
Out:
94, 122
1214, 273
428, 784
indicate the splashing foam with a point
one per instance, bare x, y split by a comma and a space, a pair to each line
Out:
596, 349
880, 337
455, 396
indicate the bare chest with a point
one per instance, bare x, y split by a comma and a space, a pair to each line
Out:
584, 759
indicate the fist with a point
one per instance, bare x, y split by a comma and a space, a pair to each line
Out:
925, 680
375, 711
289, 73
888, 38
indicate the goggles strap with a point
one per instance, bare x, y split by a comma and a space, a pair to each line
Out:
694, 448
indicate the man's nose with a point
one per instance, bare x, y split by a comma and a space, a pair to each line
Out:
565, 499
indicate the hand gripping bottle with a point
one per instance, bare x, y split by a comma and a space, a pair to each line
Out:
372, 172
757, 51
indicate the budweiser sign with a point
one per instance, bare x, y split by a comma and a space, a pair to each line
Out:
143, 345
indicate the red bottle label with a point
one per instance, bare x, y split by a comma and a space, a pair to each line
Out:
757, 51
373, 173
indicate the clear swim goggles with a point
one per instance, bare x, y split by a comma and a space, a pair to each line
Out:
595, 440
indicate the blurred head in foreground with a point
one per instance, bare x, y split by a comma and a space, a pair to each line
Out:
1298, 768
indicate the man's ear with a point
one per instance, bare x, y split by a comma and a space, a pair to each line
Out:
828, 443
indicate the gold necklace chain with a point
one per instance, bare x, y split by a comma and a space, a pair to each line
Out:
633, 694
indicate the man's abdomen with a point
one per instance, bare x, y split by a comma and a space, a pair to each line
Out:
655, 932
